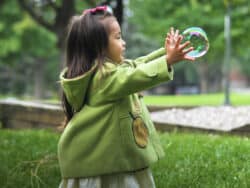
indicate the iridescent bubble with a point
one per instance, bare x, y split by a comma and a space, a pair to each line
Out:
198, 39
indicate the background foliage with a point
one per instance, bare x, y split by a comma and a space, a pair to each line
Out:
32, 40
158, 16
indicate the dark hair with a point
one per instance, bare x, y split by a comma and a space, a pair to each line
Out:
86, 43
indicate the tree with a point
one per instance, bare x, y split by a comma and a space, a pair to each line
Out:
55, 15
9, 44
37, 51
23, 62
159, 16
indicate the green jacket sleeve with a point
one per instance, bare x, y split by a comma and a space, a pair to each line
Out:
122, 80
147, 58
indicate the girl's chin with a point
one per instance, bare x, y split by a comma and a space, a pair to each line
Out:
121, 59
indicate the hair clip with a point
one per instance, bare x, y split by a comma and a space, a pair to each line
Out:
99, 8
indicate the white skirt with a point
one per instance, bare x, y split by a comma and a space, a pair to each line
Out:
137, 179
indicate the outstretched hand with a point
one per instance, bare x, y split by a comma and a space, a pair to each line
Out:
174, 49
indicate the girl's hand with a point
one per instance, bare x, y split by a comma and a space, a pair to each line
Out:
174, 49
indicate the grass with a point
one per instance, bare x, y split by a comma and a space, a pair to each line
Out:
28, 159
180, 100
207, 161
196, 100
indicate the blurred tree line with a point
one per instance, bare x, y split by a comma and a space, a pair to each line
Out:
154, 18
32, 34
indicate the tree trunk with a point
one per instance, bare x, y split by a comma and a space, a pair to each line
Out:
118, 12
118, 9
1, 2
203, 74
39, 79
63, 14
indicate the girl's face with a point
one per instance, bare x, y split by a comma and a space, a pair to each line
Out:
116, 45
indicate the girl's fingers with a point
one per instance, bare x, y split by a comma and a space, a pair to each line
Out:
172, 31
176, 34
168, 35
181, 37
184, 45
167, 41
170, 39
188, 50
178, 41
173, 40
189, 58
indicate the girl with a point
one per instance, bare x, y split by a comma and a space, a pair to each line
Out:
109, 139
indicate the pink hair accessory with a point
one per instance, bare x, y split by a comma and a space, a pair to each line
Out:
93, 10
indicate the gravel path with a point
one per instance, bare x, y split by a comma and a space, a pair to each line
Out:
222, 118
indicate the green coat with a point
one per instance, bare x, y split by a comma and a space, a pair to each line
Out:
113, 131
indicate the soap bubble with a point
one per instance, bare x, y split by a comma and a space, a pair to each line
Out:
198, 39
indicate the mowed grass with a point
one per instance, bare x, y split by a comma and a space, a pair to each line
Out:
195, 160
203, 161
174, 100
196, 100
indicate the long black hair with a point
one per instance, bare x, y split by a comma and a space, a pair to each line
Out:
86, 43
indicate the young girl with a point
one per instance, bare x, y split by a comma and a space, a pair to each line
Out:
109, 140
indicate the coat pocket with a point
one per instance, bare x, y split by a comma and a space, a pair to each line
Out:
134, 131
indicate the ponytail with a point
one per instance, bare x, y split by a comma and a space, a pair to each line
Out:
86, 42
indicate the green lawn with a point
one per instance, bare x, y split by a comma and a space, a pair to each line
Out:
204, 161
196, 100
214, 99
28, 159
181, 100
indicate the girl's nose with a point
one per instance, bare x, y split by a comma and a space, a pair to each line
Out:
123, 43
